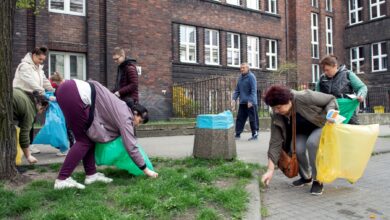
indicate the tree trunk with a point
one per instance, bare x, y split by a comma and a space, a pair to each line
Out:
7, 130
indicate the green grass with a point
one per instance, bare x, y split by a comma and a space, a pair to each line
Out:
184, 186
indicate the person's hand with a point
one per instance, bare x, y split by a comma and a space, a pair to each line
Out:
266, 178
150, 173
117, 94
52, 98
360, 98
233, 104
32, 159
250, 104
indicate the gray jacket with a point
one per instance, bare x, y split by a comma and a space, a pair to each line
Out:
112, 118
313, 106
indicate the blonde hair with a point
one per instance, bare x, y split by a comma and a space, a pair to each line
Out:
56, 77
119, 51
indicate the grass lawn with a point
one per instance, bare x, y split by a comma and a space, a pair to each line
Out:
186, 189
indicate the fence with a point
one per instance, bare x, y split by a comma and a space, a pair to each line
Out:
214, 95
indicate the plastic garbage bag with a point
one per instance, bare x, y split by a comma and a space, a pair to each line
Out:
222, 120
114, 153
347, 107
54, 131
19, 152
344, 151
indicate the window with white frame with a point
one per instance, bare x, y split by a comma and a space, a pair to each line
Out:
272, 6
377, 9
253, 52
379, 57
329, 5
314, 36
355, 8
357, 59
73, 7
315, 72
252, 4
233, 49
187, 44
233, 2
70, 65
314, 3
211, 47
272, 55
329, 35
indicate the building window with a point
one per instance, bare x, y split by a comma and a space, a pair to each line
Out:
329, 35
272, 55
379, 57
314, 36
233, 49
73, 7
314, 3
252, 4
329, 5
315, 72
355, 11
233, 2
272, 6
357, 59
253, 52
211, 47
70, 65
377, 9
187, 44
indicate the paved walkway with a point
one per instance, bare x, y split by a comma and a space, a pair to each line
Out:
369, 198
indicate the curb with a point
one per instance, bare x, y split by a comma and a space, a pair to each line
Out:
254, 205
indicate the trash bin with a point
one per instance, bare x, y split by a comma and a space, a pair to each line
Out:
214, 136
379, 109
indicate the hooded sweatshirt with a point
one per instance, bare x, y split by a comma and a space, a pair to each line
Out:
127, 80
30, 77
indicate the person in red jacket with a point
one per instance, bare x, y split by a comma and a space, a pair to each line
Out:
126, 85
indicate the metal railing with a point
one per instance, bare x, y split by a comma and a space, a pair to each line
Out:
214, 95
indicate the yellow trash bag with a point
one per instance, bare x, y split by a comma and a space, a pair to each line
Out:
19, 152
344, 151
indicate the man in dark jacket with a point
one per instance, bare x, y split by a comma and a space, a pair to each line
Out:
126, 84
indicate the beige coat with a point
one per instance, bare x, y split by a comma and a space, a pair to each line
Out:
313, 106
30, 77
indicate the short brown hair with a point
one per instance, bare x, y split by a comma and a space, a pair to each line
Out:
119, 51
278, 95
56, 77
39, 51
330, 60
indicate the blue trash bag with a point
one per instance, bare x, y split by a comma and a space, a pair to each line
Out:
54, 131
222, 120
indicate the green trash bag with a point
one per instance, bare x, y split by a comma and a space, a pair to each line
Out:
114, 154
347, 107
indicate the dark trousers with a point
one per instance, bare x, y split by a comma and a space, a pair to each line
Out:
243, 113
76, 116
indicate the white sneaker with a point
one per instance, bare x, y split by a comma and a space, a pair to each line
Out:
97, 177
34, 150
67, 183
62, 154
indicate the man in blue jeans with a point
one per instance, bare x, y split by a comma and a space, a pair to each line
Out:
246, 92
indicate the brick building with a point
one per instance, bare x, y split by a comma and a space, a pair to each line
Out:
182, 40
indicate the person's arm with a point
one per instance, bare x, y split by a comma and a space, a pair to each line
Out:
46, 83
252, 98
131, 73
323, 100
357, 85
26, 76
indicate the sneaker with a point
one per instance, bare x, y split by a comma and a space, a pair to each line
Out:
97, 177
34, 150
301, 182
62, 154
317, 188
68, 183
254, 137
237, 137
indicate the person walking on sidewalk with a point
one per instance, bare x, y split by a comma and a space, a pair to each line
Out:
310, 113
340, 82
126, 85
25, 107
246, 92
94, 114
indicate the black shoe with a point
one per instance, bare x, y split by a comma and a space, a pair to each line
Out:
317, 188
301, 182
254, 137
